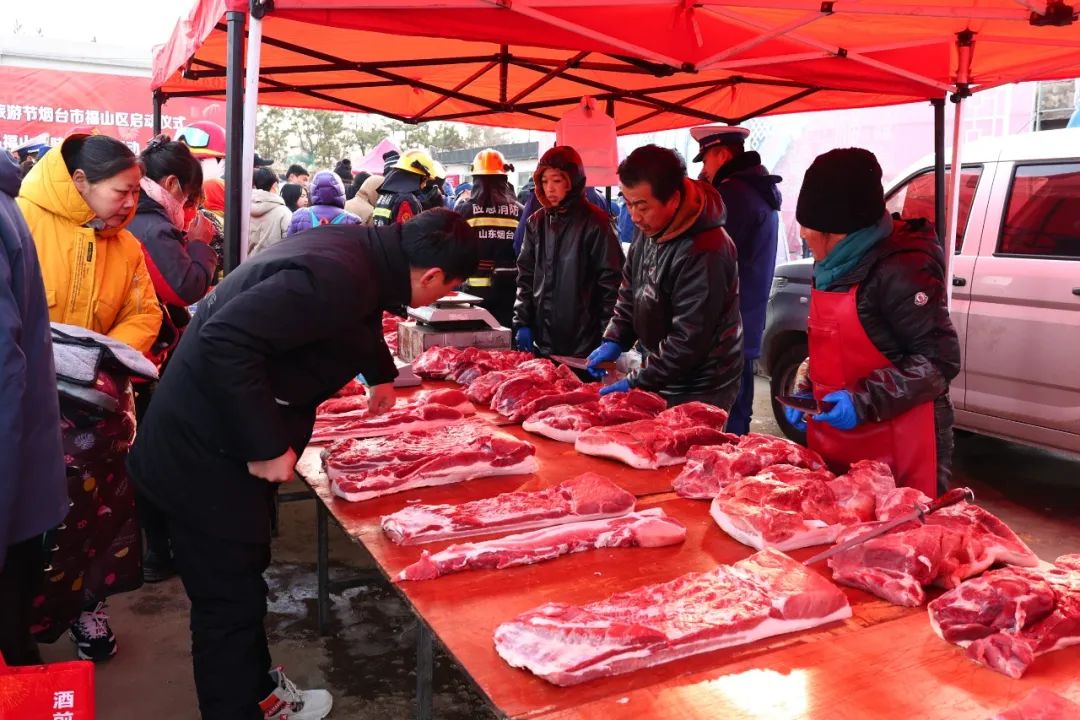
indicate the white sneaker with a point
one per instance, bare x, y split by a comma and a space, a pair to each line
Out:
288, 702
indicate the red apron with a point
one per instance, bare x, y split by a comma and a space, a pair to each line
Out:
841, 354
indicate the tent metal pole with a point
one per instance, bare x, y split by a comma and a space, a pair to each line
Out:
234, 136
965, 44
251, 103
954, 195
939, 168
159, 104
609, 110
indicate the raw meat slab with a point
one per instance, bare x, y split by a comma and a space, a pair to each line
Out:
788, 508
435, 362
473, 363
338, 411
495, 454
648, 528
411, 419
342, 405
712, 467
658, 442
761, 596
353, 387
955, 543
585, 497
565, 423
784, 507
1009, 616
353, 455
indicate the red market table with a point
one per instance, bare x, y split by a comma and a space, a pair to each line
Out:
883, 658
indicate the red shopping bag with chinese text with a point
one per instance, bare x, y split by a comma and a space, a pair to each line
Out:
58, 691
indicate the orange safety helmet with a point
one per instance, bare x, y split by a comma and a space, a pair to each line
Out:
490, 162
206, 139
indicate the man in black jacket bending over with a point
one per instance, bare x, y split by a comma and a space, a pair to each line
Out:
277, 337
679, 298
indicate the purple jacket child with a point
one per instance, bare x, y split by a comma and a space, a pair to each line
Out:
327, 205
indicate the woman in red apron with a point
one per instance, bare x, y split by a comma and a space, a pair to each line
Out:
882, 345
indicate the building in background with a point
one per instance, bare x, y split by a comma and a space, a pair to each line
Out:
522, 155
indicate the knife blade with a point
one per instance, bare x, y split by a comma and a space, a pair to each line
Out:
919, 513
569, 361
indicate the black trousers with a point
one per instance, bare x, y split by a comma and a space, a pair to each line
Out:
224, 581
743, 409
153, 521
20, 581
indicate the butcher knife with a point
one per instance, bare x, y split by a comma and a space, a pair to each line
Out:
918, 514
574, 362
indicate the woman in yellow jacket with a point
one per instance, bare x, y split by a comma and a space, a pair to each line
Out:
77, 201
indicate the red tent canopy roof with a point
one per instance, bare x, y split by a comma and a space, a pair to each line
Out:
523, 63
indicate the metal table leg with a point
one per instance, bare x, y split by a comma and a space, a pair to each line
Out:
425, 671
323, 565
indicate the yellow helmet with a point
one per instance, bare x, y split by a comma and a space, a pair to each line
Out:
490, 162
419, 162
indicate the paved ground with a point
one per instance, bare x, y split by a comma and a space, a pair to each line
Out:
368, 662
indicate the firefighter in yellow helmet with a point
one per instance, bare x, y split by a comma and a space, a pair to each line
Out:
402, 193
495, 213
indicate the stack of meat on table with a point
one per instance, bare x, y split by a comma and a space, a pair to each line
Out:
765, 492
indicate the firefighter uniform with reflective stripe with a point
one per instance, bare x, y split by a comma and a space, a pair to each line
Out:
495, 217
402, 188
393, 208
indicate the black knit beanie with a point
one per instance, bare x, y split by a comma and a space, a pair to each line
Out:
841, 192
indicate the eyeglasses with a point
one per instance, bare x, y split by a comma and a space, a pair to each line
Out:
194, 137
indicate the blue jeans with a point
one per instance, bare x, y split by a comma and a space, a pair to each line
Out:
743, 409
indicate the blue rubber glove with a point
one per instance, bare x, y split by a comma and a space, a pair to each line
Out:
620, 386
842, 416
607, 352
524, 339
797, 418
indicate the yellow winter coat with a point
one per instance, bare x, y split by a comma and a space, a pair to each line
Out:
94, 279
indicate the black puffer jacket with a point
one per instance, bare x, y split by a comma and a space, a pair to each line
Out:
569, 268
679, 300
902, 307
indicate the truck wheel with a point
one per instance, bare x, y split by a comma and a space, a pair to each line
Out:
781, 382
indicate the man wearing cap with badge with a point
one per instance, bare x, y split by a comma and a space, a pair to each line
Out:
882, 345
752, 200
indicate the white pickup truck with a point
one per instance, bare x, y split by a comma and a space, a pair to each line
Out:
1016, 289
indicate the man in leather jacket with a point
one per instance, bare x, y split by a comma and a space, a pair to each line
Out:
882, 344
679, 298
569, 268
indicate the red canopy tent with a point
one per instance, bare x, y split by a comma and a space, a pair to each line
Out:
523, 63
656, 63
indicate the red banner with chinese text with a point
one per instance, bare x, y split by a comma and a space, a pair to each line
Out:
37, 102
